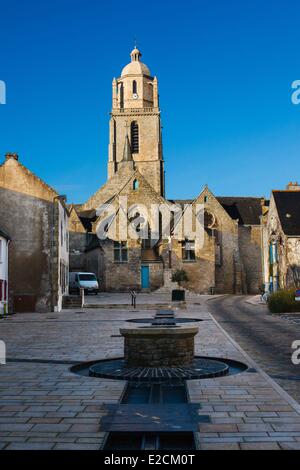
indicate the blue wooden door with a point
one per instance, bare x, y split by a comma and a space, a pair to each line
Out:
145, 277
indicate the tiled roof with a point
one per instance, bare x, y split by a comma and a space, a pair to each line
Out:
288, 208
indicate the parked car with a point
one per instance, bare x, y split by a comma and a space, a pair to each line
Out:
86, 281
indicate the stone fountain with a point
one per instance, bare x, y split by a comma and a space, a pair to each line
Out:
162, 346
160, 352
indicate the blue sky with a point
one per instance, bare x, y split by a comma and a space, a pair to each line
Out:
225, 70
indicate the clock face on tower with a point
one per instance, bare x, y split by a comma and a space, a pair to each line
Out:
135, 96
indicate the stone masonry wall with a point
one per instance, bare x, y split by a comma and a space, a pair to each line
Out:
250, 251
28, 220
159, 351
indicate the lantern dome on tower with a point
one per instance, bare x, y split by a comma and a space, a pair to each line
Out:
135, 67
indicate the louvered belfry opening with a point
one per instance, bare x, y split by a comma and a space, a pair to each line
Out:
134, 137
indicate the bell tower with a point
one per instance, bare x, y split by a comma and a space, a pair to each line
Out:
135, 116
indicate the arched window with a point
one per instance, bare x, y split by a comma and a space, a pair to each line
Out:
134, 137
135, 185
134, 87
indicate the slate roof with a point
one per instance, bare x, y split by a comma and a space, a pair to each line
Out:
87, 217
288, 209
181, 202
247, 209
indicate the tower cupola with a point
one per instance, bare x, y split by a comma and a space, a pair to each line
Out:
135, 54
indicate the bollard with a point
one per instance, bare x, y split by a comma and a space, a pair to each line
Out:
133, 298
82, 297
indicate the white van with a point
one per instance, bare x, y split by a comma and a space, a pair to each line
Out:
86, 281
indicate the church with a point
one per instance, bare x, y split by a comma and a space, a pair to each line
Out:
228, 259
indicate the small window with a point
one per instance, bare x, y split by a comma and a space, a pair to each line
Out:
135, 185
120, 252
205, 198
188, 250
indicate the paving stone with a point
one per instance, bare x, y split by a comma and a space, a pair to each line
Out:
220, 440
285, 427
44, 427
227, 420
30, 446
290, 446
82, 428
220, 446
8, 427
259, 446
268, 439
76, 446
207, 427
254, 427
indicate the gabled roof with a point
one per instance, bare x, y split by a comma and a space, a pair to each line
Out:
246, 209
288, 209
17, 177
108, 190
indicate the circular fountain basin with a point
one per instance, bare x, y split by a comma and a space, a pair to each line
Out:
201, 368
159, 346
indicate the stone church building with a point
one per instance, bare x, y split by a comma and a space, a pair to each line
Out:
228, 259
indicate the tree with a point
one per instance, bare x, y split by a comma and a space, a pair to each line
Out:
180, 276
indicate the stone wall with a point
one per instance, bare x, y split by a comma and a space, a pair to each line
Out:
201, 271
250, 243
77, 246
28, 220
156, 275
122, 276
159, 347
95, 264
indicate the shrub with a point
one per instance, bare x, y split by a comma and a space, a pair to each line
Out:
283, 301
180, 276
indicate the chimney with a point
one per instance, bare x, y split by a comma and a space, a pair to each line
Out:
293, 186
11, 155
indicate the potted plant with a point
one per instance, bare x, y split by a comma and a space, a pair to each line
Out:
179, 276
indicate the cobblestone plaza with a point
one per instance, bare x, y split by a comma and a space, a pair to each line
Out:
44, 405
